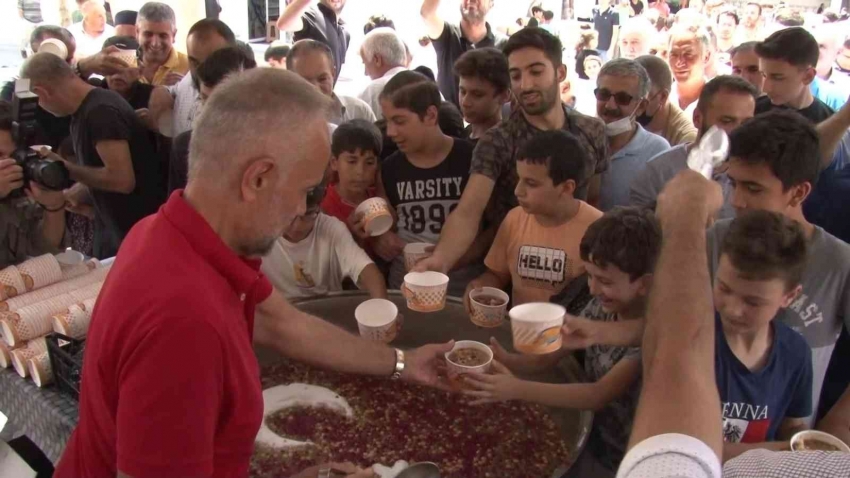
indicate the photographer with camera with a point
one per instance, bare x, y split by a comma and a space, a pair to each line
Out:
117, 159
27, 228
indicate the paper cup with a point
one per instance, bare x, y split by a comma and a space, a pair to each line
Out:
484, 314
536, 327
415, 252
70, 258
455, 369
800, 440
54, 47
129, 57
38, 147
425, 291
377, 320
376, 215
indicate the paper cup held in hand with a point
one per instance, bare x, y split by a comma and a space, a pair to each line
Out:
488, 306
425, 291
377, 320
38, 147
54, 47
376, 215
813, 440
465, 357
128, 56
536, 327
415, 252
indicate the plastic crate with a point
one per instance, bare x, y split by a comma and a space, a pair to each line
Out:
66, 360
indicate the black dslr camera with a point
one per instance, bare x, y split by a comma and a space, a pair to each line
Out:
46, 172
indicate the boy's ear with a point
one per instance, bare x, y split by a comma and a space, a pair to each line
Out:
799, 193
334, 162
790, 296
432, 116
809, 76
645, 284
568, 187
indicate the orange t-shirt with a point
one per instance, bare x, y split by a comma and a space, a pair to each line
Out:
540, 261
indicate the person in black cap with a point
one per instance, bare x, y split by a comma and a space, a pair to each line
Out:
125, 23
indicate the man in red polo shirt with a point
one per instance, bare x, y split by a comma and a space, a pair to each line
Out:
170, 383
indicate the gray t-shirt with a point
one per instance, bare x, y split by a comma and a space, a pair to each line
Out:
613, 423
649, 183
823, 305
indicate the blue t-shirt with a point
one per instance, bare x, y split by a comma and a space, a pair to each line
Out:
755, 403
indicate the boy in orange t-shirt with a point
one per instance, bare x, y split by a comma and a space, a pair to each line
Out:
537, 247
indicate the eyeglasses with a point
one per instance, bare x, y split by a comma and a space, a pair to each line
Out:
621, 98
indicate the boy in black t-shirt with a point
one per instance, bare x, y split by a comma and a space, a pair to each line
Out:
788, 60
484, 88
423, 180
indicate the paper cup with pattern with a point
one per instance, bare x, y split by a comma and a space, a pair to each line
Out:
376, 216
536, 327
11, 283
488, 306
425, 291
465, 357
377, 320
813, 440
415, 252
40, 369
40, 271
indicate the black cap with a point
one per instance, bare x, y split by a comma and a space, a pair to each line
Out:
124, 43
125, 17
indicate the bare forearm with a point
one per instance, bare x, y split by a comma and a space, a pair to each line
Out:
733, 450
372, 281
479, 248
831, 131
100, 178
837, 421
678, 344
576, 396
623, 333
308, 339
290, 19
53, 228
458, 235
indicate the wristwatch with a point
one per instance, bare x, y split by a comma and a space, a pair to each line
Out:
399, 365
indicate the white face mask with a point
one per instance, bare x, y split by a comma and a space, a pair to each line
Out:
622, 125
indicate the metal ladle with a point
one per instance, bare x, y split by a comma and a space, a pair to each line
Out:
421, 470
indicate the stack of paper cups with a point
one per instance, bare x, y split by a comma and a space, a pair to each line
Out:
97, 275
35, 320
5, 355
40, 271
75, 322
21, 355
11, 283
40, 369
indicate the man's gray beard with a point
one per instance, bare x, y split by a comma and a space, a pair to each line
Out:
477, 17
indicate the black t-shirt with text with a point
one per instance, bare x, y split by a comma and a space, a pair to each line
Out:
816, 112
106, 116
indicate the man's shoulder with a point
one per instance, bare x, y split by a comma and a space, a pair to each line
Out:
590, 125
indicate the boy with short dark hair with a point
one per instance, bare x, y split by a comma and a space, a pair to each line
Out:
316, 254
275, 56
773, 166
789, 59
484, 88
620, 251
355, 148
763, 367
536, 249
423, 180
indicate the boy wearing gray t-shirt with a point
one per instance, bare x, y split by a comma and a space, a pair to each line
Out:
774, 165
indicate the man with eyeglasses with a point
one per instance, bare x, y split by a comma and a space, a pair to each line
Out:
621, 96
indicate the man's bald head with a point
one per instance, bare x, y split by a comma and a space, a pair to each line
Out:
260, 146
45, 69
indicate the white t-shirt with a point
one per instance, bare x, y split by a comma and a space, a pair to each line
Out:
88, 45
318, 264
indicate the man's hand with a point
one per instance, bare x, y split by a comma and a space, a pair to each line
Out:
11, 177
422, 365
689, 195
388, 246
103, 63
501, 386
578, 333
434, 262
357, 226
49, 199
351, 470
145, 116
172, 78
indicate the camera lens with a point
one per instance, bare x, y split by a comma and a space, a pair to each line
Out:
50, 174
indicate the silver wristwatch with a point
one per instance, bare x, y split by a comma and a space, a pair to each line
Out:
399, 365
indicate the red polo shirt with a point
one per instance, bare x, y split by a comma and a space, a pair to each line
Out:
171, 386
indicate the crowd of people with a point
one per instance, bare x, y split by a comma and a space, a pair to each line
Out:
549, 159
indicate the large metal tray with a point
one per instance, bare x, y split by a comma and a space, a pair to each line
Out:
450, 323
